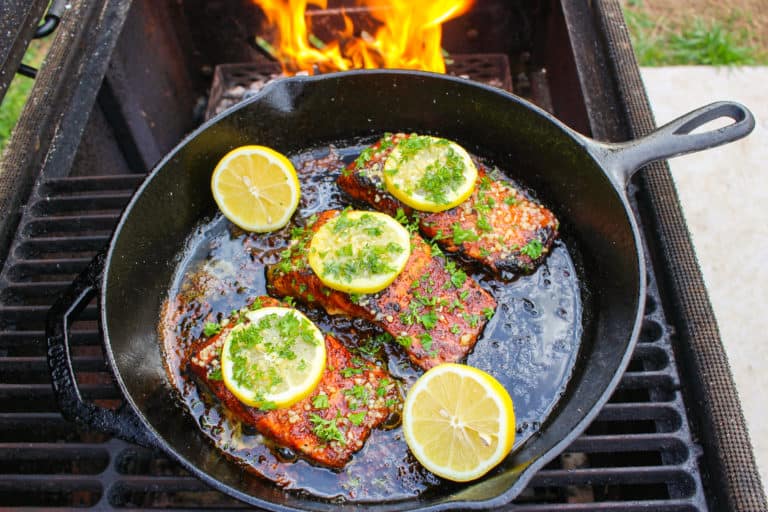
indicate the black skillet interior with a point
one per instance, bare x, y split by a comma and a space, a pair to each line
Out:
293, 114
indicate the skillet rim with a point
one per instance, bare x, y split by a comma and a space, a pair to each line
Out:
586, 144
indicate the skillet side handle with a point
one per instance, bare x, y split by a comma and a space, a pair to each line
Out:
123, 422
675, 138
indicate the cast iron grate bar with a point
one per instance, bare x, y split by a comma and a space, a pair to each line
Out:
638, 455
233, 83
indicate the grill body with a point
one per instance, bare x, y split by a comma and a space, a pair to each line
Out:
128, 79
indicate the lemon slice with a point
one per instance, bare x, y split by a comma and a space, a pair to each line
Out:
359, 251
275, 359
429, 173
458, 421
256, 188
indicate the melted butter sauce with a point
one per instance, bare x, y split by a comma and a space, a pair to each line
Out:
530, 345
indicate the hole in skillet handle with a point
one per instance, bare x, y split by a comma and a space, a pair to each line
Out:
621, 160
123, 422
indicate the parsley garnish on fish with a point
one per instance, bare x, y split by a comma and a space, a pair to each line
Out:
211, 328
461, 235
533, 249
320, 401
357, 418
364, 158
326, 430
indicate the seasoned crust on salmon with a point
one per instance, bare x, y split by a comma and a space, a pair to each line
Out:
433, 309
329, 429
498, 226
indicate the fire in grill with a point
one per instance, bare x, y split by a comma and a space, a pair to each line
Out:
639, 454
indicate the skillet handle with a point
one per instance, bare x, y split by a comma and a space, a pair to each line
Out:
675, 138
123, 422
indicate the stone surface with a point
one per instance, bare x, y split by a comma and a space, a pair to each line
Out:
724, 192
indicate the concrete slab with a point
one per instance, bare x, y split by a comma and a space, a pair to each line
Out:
724, 193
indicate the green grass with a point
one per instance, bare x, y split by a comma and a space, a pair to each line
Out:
18, 91
713, 43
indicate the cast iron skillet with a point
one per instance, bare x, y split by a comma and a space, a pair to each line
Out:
582, 180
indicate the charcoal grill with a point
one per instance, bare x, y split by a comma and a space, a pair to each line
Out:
125, 80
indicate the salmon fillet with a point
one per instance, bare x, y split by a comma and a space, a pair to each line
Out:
353, 397
498, 227
433, 309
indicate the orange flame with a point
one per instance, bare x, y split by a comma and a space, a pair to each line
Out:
408, 36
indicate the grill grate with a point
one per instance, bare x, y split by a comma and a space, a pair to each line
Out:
233, 83
637, 455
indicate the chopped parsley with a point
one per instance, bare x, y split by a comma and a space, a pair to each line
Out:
211, 328
429, 319
350, 371
300, 237
326, 430
472, 320
267, 406
426, 341
404, 341
461, 235
386, 142
381, 390
435, 249
410, 146
371, 346
533, 249
358, 392
488, 312
320, 401
402, 218
364, 158
442, 177
366, 223
357, 418
215, 374
458, 276
484, 224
